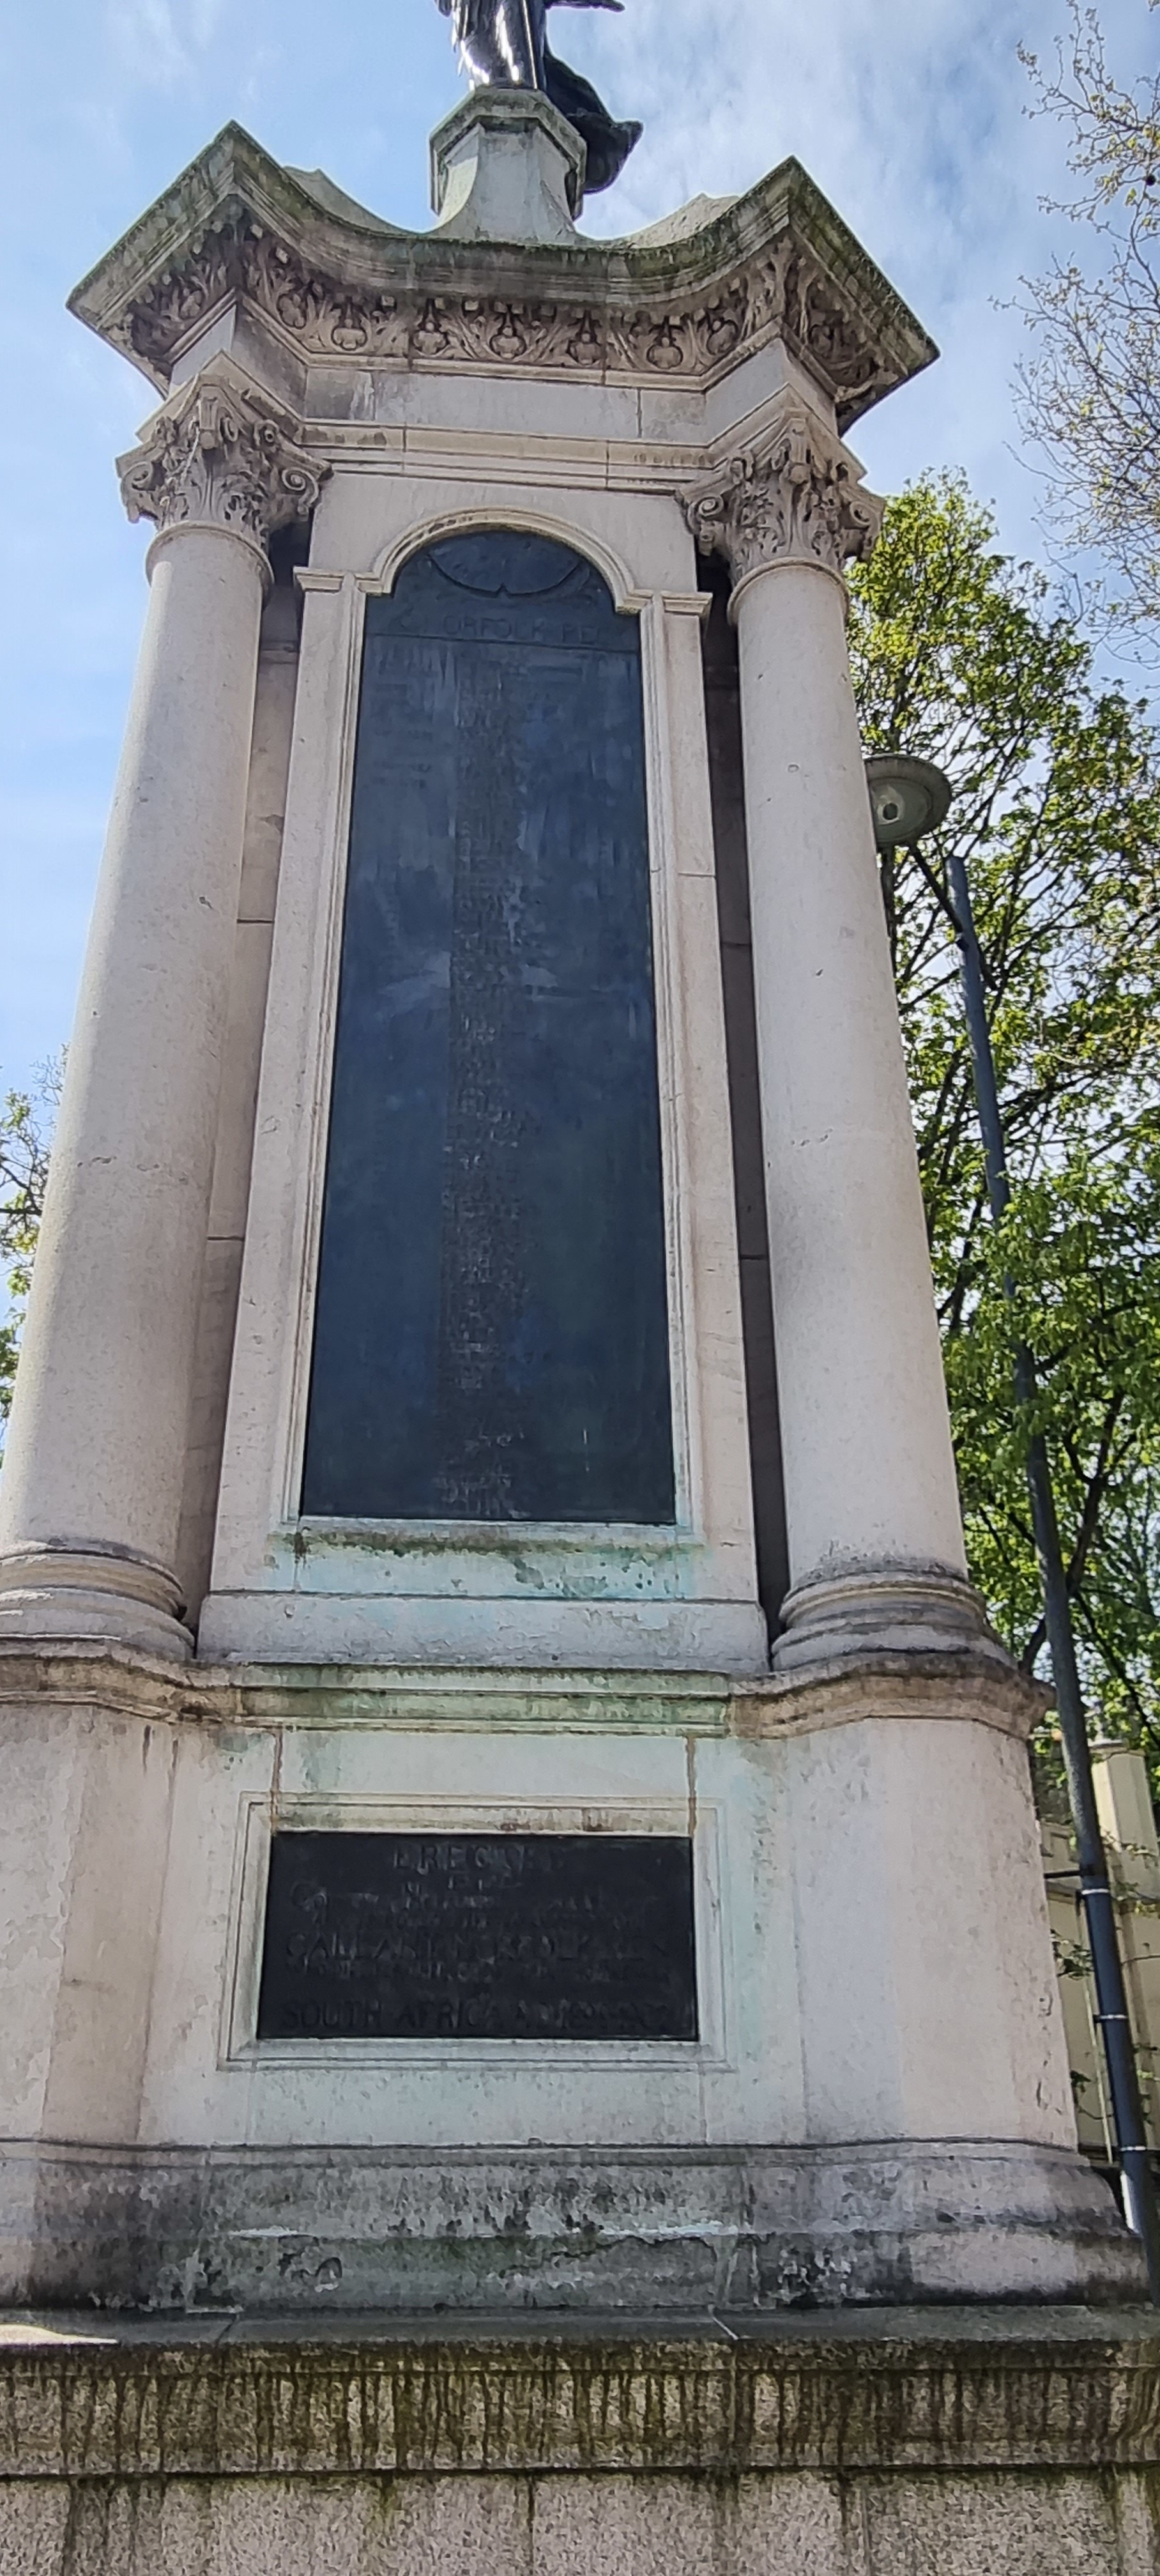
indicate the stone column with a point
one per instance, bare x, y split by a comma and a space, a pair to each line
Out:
874, 1530
91, 1493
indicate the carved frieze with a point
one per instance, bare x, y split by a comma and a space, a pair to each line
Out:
220, 455
681, 304
795, 497
782, 291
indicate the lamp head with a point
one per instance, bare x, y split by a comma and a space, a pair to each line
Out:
907, 798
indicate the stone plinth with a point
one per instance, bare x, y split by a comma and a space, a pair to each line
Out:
990, 2445
834, 2133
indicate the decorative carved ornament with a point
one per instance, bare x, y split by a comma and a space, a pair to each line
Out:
783, 291
794, 498
220, 455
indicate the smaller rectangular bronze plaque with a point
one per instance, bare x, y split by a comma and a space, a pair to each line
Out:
479, 1936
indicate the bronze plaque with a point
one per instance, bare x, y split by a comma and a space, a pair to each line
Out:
491, 1337
479, 1936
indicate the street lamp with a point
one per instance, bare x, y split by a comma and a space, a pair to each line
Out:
907, 799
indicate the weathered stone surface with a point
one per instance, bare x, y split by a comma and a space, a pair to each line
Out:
998, 2526
1006, 2446
576, 2527
34, 2520
834, 2397
246, 2527
653, 2526
666, 2232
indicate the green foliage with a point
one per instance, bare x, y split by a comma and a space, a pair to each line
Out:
26, 1123
958, 656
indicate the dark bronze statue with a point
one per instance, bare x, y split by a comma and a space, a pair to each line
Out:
503, 44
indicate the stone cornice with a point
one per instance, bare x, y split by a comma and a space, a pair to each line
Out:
946, 1685
333, 283
220, 454
793, 497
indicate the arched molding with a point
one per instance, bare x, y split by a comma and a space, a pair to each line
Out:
627, 597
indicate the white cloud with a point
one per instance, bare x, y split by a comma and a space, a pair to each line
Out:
158, 42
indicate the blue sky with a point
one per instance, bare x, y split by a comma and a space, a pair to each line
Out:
909, 113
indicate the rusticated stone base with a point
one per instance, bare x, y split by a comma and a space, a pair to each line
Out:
1004, 2445
663, 2231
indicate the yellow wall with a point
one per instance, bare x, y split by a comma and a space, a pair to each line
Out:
1130, 1835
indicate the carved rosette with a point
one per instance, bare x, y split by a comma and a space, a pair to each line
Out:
794, 498
220, 455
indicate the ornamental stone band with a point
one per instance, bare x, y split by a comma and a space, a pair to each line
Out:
220, 455
794, 497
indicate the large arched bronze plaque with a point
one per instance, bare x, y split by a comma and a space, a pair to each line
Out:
491, 1339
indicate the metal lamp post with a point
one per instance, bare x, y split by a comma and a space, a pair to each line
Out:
909, 798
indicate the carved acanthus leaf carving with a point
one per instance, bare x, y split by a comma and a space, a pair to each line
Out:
780, 291
796, 497
220, 455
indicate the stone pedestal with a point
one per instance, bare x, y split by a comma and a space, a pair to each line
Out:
867, 2100
506, 167
835, 2134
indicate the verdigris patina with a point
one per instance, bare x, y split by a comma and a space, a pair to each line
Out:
503, 44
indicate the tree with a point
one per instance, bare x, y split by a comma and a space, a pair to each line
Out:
26, 1123
958, 656
1089, 395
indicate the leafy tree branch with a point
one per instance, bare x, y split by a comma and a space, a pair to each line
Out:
1089, 391
26, 1123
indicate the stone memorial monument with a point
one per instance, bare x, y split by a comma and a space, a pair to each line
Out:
514, 1822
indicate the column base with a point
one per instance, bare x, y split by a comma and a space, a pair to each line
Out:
88, 1598
682, 2231
870, 1610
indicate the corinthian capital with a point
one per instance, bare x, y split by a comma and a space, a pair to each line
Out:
794, 497
221, 454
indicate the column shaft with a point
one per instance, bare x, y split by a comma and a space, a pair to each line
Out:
869, 1472
928, 2001
94, 1470
873, 1524
97, 1443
